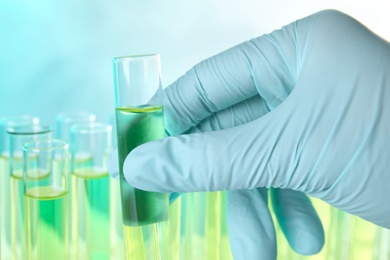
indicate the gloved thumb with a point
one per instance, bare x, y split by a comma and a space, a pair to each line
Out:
112, 163
236, 158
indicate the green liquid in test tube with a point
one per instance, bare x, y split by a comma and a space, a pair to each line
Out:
135, 127
89, 146
139, 119
46, 199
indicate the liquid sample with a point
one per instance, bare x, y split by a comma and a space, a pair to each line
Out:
148, 242
16, 210
226, 253
205, 229
116, 224
175, 227
91, 203
213, 225
136, 126
145, 214
5, 217
46, 224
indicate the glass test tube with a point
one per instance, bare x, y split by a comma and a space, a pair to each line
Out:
91, 195
382, 244
17, 137
116, 226
139, 119
205, 226
5, 193
47, 205
65, 120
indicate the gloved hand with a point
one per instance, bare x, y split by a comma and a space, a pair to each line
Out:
304, 109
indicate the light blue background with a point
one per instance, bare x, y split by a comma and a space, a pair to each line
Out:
55, 56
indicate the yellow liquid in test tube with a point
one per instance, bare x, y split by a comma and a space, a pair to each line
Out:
91, 203
204, 217
5, 232
17, 209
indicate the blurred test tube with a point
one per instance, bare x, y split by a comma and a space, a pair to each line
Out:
90, 145
65, 120
17, 137
5, 195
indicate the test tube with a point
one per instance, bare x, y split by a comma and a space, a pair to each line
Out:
5, 193
46, 199
139, 119
116, 226
17, 137
204, 219
65, 120
91, 189
382, 244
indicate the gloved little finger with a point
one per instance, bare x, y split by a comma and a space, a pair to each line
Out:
298, 220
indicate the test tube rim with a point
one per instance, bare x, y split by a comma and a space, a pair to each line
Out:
135, 57
33, 129
64, 145
71, 116
16, 120
89, 128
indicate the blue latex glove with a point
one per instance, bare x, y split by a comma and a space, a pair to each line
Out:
305, 109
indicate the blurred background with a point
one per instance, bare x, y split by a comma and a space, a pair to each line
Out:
55, 56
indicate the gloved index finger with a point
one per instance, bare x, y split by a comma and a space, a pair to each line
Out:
210, 86
266, 65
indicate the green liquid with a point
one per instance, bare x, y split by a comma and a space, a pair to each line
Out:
136, 126
46, 224
91, 219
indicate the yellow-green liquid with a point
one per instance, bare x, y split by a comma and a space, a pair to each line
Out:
346, 237
91, 203
116, 223
205, 230
145, 214
46, 224
5, 214
17, 209
148, 241
17, 216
